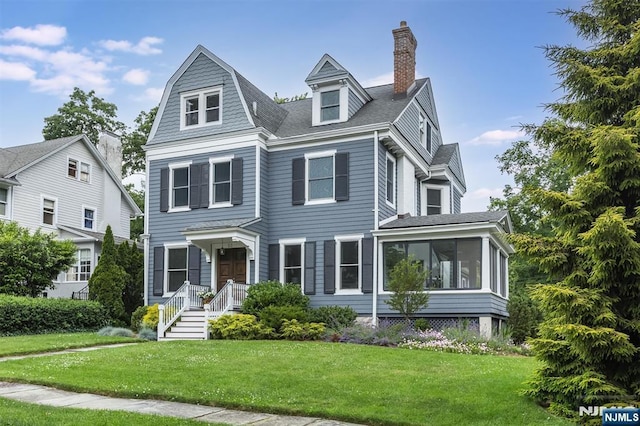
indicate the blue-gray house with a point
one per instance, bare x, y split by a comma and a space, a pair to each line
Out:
328, 192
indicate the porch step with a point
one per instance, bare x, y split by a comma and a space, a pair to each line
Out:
190, 326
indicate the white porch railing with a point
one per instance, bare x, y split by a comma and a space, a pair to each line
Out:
183, 299
230, 297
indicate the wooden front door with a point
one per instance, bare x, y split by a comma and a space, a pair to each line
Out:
232, 265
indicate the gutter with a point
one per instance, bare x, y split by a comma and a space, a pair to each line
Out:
376, 219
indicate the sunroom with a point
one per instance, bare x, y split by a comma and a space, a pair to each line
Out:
466, 257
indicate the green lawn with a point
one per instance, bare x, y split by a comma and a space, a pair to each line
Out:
363, 384
22, 414
29, 344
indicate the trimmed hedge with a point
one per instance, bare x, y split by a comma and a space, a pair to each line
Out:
26, 315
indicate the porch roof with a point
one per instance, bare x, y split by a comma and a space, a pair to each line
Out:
499, 217
221, 224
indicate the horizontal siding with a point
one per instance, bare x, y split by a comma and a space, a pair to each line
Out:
202, 73
458, 304
457, 201
354, 103
167, 227
318, 222
326, 70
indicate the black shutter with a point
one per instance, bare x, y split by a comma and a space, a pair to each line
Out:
274, 262
194, 265
164, 189
194, 186
236, 182
367, 265
329, 267
342, 176
310, 267
204, 185
297, 181
158, 271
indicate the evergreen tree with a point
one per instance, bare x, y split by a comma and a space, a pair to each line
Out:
589, 341
131, 260
107, 282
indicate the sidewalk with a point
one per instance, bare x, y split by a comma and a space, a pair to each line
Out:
43, 395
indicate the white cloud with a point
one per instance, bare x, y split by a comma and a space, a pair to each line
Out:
478, 200
379, 80
137, 76
496, 137
28, 52
42, 35
144, 47
154, 93
15, 71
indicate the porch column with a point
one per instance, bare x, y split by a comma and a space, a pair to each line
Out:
486, 266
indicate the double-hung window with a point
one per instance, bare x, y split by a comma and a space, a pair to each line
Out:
179, 187
88, 218
434, 201
391, 180
201, 108
320, 184
220, 181
48, 211
78, 170
176, 267
81, 271
4, 202
330, 105
348, 255
292, 263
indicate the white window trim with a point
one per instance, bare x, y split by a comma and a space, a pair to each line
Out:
312, 155
339, 239
55, 210
292, 242
445, 198
217, 160
202, 107
316, 114
395, 183
89, 172
7, 209
167, 247
78, 265
172, 167
79, 164
95, 217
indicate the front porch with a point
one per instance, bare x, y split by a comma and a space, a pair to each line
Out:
185, 315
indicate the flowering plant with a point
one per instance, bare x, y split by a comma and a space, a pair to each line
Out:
206, 295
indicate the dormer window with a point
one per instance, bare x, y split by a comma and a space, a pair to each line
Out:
202, 108
425, 132
330, 105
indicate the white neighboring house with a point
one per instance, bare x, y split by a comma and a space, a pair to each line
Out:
72, 188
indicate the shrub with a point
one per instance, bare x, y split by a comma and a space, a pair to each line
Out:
116, 331
137, 316
147, 334
335, 317
422, 324
295, 330
151, 318
383, 334
273, 293
239, 327
26, 315
273, 316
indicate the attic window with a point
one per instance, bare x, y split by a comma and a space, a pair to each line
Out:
330, 105
201, 108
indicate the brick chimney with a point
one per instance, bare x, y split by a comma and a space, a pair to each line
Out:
404, 59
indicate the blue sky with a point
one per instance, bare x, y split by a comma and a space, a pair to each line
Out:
484, 59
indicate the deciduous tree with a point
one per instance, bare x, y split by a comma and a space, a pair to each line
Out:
29, 262
406, 281
83, 113
132, 142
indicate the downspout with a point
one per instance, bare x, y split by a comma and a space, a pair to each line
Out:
145, 236
376, 220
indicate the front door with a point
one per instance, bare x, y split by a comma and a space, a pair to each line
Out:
232, 265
